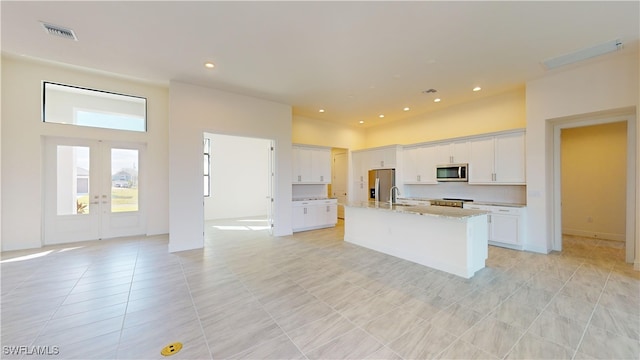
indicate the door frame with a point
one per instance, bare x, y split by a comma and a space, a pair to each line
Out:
344, 175
103, 173
622, 115
271, 155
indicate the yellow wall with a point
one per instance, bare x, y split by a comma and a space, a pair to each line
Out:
505, 111
323, 133
594, 180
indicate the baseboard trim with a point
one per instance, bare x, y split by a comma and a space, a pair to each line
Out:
594, 234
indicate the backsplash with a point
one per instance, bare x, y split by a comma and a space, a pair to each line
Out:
516, 194
306, 191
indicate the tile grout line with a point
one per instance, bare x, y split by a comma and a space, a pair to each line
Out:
195, 308
270, 315
584, 332
541, 312
481, 319
58, 307
124, 316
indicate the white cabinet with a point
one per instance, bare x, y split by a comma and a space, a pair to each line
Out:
419, 165
314, 214
364, 160
382, 158
360, 173
498, 159
321, 165
452, 153
510, 159
506, 225
311, 165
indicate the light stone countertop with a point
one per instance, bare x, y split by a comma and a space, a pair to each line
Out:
438, 211
481, 202
491, 203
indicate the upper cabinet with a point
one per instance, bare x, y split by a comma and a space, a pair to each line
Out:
419, 165
453, 153
311, 165
382, 158
364, 160
498, 159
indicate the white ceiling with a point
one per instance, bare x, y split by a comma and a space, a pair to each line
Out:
355, 59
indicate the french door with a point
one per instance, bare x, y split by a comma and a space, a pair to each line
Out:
92, 190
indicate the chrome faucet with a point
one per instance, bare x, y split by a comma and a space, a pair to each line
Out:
391, 193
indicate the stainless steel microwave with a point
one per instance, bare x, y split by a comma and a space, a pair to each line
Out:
452, 172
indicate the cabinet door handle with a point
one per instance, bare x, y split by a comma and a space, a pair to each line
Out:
489, 219
305, 211
321, 177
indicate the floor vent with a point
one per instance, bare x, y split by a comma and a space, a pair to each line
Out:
60, 31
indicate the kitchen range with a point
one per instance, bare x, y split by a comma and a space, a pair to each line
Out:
452, 202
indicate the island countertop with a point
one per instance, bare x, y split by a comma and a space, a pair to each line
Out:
437, 211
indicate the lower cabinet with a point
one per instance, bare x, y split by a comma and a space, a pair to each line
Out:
506, 225
314, 214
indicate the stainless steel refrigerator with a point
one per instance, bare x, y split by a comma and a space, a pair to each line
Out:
384, 179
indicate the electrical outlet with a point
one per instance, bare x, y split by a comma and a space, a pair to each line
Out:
589, 219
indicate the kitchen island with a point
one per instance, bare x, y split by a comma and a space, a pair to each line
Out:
453, 240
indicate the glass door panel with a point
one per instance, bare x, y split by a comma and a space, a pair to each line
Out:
72, 180
124, 180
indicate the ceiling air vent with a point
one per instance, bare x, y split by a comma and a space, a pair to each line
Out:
60, 31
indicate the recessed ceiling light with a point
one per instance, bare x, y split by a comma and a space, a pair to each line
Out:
436, 100
209, 65
406, 109
381, 116
321, 110
477, 88
361, 121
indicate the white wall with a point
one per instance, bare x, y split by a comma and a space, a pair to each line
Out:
194, 110
598, 86
23, 130
239, 177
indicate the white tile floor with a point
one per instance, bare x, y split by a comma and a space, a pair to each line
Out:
249, 295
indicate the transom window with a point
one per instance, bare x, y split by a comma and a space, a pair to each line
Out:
65, 104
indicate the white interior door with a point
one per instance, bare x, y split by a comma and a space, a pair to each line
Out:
92, 190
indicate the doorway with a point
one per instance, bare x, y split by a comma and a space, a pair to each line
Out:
339, 174
241, 181
628, 211
92, 190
